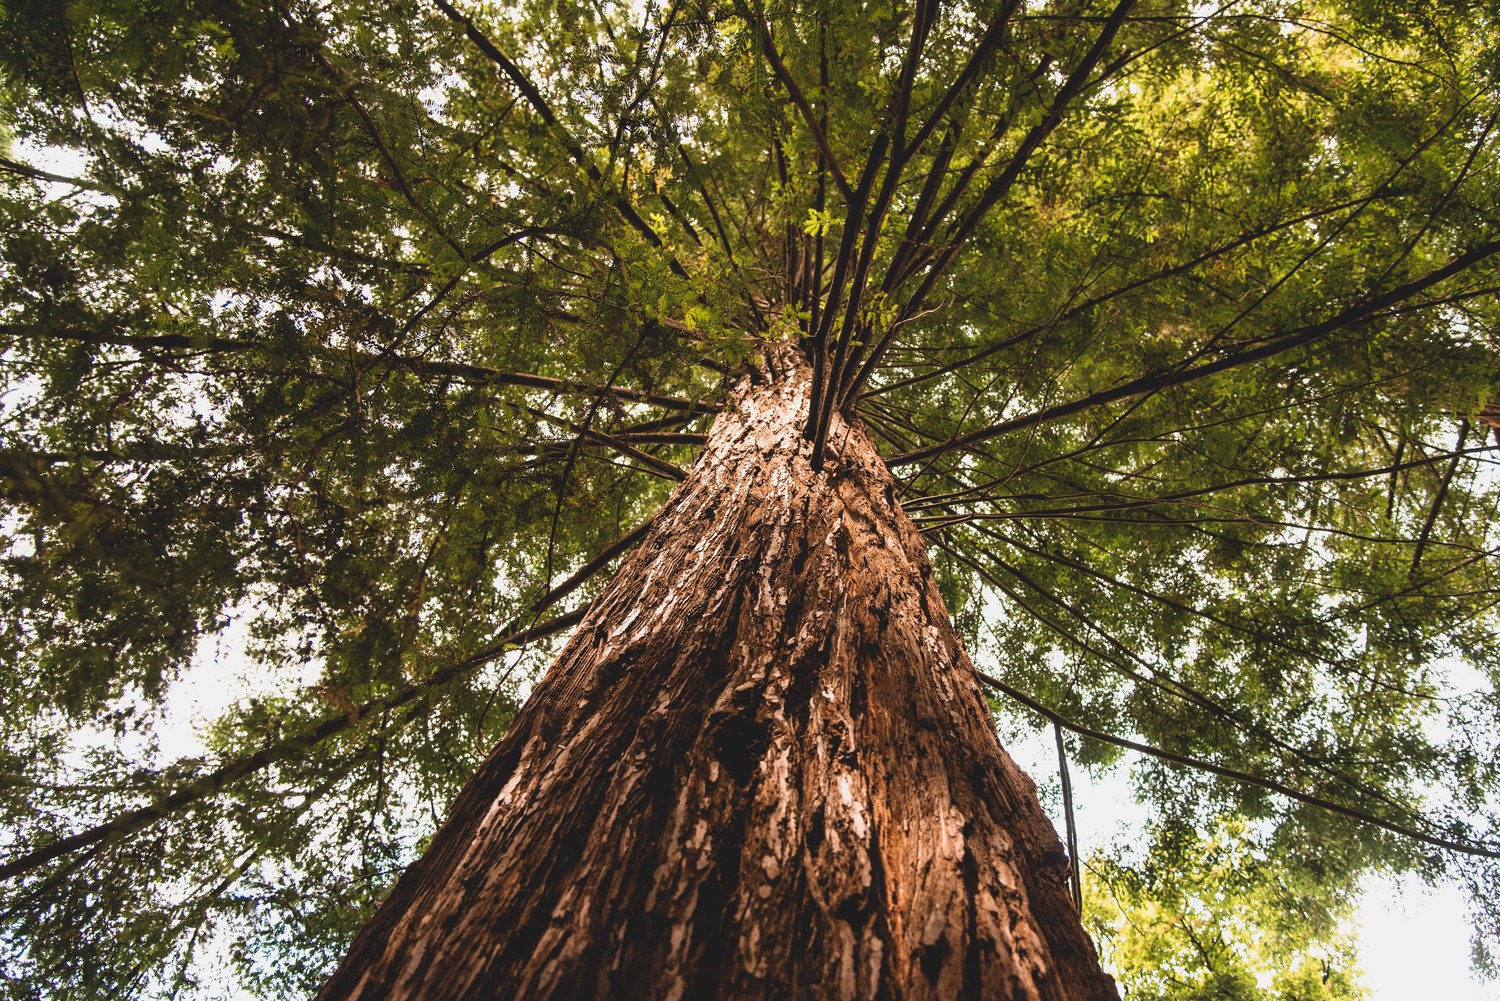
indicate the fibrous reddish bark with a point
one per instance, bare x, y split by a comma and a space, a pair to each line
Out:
761, 768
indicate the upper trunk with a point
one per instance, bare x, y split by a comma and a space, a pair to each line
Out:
761, 768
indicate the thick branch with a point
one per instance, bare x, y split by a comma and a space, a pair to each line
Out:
419, 366
1090, 303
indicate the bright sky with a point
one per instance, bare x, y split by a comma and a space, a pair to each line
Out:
1414, 943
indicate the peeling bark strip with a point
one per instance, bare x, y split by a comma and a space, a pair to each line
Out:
761, 768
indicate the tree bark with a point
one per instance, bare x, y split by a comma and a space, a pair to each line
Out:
761, 768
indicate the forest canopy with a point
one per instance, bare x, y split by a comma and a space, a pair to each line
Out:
360, 340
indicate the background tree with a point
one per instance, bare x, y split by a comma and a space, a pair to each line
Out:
1205, 921
381, 331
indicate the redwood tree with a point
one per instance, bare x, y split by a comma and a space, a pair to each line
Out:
376, 349
760, 768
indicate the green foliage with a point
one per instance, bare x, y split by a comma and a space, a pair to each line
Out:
1216, 920
352, 337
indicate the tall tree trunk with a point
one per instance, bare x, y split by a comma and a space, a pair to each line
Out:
761, 768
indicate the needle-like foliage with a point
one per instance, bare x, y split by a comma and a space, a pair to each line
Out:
344, 346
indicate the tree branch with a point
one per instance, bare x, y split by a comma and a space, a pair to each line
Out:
784, 75
1450, 844
539, 104
1357, 315
211, 783
418, 366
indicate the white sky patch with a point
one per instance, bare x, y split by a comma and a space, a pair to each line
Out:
435, 97
220, 677
1414, 942
20, 395
62, 162
53, 159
